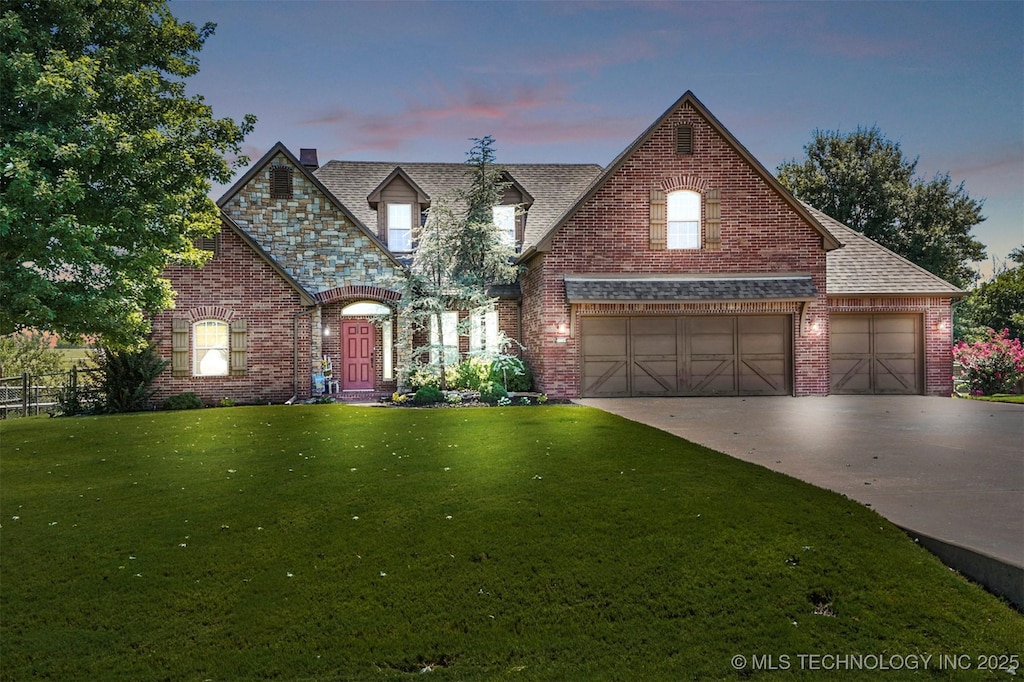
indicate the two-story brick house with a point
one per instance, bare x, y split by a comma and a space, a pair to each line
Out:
682, 268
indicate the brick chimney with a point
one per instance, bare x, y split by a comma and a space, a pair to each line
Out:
308, 159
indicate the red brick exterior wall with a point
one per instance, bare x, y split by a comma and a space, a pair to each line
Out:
760, 232
937, 328
238, 285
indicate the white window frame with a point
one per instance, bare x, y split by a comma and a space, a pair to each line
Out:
504, 216
484, 332
400, 227
449, 339
684, 227
205, 347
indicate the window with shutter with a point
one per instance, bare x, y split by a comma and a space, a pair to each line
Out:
659, 240
210, 348
280, 182
683, 220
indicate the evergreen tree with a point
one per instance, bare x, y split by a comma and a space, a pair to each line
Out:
459, 254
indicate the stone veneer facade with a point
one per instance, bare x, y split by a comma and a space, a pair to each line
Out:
308, 235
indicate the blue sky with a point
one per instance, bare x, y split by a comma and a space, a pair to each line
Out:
577, 82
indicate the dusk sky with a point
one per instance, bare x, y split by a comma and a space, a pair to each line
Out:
576, 82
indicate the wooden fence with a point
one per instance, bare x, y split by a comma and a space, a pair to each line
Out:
73, 391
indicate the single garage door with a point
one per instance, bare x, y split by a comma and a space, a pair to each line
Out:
876, 354
686, 356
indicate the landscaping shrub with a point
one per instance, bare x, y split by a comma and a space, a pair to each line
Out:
994, 365
128, 377
183, 401
491, 392
512, 373
469, 373
423, 375
428, 395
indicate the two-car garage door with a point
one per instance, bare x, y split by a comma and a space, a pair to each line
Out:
689, 355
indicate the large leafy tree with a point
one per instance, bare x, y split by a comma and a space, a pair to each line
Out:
997, 304
459, 253
863, 180
105, 163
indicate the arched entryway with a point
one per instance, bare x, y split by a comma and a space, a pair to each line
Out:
358, 344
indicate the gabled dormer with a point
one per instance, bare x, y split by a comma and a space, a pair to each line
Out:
400, 204
511, 214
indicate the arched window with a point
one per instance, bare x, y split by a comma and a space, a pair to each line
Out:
366, 309
210, 348
683, 220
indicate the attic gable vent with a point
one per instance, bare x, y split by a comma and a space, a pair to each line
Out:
684, 140
280, 182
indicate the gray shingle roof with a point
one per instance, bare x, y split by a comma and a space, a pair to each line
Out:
863, 266
554, 187
739, 288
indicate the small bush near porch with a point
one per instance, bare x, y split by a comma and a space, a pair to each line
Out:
342, 543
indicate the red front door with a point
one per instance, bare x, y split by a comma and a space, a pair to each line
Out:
357, 355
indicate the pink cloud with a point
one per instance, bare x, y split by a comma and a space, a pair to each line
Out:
440, 111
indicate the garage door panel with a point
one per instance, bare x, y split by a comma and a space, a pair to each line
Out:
763, 377
851, 376
711, 336
712, 377
654, 378
606, 379
605, 336
896, 375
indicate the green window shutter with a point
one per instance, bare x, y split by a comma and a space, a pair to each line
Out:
239, 350
659, 220
179, 348
713, 220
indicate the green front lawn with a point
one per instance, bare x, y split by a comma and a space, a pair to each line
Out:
334, 543
1000, 398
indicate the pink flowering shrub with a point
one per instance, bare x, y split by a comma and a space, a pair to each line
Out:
994, 365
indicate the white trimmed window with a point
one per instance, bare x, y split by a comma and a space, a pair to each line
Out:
400, 227
483, 332
505, 219
448, 338
684, 220
210, 348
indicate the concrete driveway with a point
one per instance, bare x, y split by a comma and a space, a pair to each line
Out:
949, 469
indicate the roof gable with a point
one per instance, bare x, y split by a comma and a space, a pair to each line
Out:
267, 158
422, 197
829, 242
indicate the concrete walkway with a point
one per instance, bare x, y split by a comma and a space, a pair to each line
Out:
949, 469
